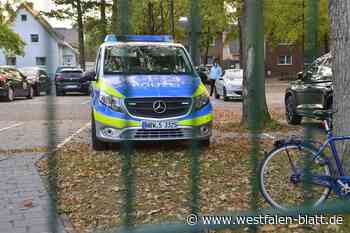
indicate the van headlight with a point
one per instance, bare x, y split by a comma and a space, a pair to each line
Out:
201, 101
110, 101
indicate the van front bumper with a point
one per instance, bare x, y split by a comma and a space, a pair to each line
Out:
111, 134
115, 127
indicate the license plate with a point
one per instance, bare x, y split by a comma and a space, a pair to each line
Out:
159, 124
71, 86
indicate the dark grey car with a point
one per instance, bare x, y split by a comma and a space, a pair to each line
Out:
313, 90
71, 80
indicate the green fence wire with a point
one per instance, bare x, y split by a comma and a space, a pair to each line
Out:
255, 75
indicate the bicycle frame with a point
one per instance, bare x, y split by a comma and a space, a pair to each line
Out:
331, 143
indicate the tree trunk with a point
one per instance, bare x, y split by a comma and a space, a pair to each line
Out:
255, 111
151, 18
326, 43
340, 49
115, 17
81, 34
242, 53
171, 18
207, 45
161, 17
103, 19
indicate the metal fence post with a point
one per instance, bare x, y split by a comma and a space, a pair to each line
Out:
255, 76
311, 54
127, 150
312, 29
195, 30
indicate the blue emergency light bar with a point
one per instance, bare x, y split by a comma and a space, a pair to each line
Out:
139, 38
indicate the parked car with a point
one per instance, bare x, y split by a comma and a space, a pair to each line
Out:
313, 90
60, 68
147, 90
229, 85
14, 84
71, 80
39, 79
203, 73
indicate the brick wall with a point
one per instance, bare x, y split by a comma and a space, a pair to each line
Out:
273, 66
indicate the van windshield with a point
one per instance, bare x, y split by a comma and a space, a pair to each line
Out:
146, 60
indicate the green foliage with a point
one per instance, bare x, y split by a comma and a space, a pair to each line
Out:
10, 42
212, 23
67, 9
143, 11
93, 37
285, 21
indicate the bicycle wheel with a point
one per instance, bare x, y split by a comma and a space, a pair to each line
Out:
283, 178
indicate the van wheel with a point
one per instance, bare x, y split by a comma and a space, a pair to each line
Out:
10, 95
96, 143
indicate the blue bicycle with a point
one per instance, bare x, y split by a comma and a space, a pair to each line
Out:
298, 170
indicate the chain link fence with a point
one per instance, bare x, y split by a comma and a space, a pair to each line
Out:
255, 73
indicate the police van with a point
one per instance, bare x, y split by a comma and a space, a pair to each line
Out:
146, 88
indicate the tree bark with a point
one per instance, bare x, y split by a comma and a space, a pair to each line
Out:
171, 18
242, 53
340, 49
81, 34
103, 19
255, 111
161, 17
115, 17
326, 43
151, 25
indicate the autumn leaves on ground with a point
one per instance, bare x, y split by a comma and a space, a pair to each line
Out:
91, 188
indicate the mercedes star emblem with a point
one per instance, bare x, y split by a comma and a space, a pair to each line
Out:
159, 106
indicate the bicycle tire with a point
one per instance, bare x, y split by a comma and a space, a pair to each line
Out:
288, 184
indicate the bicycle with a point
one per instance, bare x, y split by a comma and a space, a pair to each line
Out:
310, 176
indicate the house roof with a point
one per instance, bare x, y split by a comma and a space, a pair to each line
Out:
59, 38
70, 35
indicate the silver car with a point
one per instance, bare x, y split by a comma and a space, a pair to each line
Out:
230, 85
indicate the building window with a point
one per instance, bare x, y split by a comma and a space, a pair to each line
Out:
34, 38
41, 61
285, 60
24, 18
68, 60
11, 61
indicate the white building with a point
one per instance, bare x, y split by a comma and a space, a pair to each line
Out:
44, 47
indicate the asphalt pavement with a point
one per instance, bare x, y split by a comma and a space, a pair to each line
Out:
24, 128
24, 123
